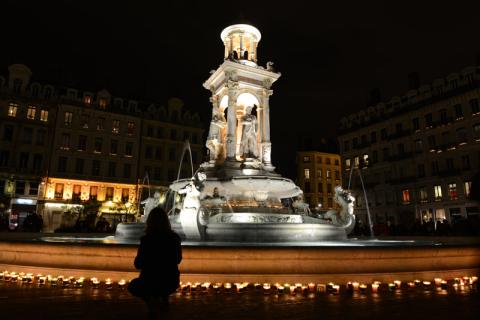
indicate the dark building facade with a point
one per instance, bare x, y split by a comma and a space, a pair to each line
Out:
62, 147
418, 153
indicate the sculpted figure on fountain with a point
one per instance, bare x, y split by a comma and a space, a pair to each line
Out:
215, 143
249, 145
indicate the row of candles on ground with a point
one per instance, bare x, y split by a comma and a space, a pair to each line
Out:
59, 281
332, 288
218, 287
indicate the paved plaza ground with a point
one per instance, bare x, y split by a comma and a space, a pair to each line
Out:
23, 301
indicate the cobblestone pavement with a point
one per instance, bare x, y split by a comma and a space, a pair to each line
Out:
23, 301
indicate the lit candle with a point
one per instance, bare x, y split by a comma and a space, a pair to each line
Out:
355, 286
321, 287
417, 282
391, 286
298, 286
53, 282
411, 284
216, 287
329, 286
398, 284
280, 289
336, 289
443, 284
257, 286
122, 283
287, 287
455, 286
206, 286
311, 287
13, 276
292, 290
266, 288
375, 287
109, 283
79, 282
472, 280
95, 282
426, 283
42, 280
363, 288
438, 281
30, 277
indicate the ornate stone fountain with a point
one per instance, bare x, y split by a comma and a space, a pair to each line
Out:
238, 196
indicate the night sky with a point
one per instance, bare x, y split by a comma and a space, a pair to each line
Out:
330, 55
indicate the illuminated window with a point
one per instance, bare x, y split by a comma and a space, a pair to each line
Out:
348, 164
437, 191
44, 115
93, 192
31, 112
109, 194
125, 195
328, 174
130, 128
76, 192
116, 126
58, 190
468, 186
319, 173
68, 118
306, 173
103, 103
452, 191
356, 162
12, 110
306, 159
365, 159
406, 196
423, 195
87, 99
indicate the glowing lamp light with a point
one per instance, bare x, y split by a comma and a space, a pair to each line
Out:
438, 282
375, 287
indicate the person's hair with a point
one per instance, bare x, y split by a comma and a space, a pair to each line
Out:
158, 222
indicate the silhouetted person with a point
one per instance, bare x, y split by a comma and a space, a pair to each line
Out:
158, 257
235, 55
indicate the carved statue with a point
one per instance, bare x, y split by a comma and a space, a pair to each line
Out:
214, 142
189, 215
300, 206
149, 204
248, 145
346, 201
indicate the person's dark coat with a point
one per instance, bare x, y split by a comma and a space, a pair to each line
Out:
158, 258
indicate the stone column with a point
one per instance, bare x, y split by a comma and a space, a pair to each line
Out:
266, 144
253, 44
240, 54
231, 120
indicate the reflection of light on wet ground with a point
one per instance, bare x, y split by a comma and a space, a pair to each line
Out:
339, 243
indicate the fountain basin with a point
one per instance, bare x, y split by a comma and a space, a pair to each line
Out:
337, 261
